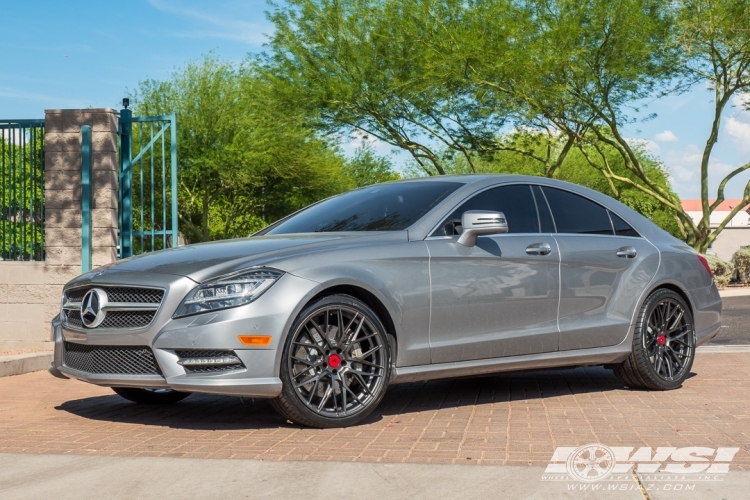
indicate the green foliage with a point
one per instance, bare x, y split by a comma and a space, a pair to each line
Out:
444, 79
367, 168
741, 260
723, 270
21, 195
245, 158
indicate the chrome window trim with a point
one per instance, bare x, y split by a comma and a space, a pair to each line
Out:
541, 186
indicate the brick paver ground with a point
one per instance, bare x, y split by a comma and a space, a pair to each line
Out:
506, 419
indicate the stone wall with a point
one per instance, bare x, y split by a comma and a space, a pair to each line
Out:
729, 241
30, 291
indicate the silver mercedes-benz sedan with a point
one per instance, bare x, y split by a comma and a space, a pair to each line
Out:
412, 280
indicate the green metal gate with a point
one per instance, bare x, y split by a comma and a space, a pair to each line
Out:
21, 189
147, 183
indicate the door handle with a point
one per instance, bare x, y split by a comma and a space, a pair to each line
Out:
627, 252
538, 249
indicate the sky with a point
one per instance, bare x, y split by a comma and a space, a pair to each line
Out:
78, 54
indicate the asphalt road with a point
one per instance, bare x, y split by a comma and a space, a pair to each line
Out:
735, 321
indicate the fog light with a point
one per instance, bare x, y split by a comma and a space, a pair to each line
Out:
223, 360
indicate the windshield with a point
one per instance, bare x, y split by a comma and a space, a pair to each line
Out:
383, 207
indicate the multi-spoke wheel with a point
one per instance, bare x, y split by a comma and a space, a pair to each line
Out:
663, 344
335, 364
151, 396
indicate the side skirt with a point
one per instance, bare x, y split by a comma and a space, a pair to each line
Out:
556, 359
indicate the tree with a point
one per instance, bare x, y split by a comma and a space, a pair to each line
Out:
445, 77
715, 38
245, 159
368, 168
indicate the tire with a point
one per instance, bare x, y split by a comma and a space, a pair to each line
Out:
151, 396
663, 344
335, 366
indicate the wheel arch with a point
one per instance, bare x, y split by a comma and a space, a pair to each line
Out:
676, 288
370, 299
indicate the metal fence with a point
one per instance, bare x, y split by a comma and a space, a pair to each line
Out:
22, 190
148, 183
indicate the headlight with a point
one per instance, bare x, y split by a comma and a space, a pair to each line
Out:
232, 290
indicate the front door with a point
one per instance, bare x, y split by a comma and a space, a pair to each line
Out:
500, 297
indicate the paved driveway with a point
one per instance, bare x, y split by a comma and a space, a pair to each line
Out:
735, 319
516, 419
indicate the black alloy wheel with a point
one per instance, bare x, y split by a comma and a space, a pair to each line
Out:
663, 344
335, 365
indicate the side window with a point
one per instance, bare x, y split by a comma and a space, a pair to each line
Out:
575, 214
545, 216
622, 228
515, 201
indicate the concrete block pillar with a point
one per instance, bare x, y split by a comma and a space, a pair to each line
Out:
62, 185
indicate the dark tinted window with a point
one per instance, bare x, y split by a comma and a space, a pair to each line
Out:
385, 207
545, 217
622, 228
515, 201
576, 214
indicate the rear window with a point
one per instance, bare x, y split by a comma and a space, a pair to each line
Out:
383, 207
622, 228
576, 214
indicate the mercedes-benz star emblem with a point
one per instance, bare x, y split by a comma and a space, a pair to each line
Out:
92, 307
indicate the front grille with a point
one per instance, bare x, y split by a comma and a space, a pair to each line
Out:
120, 294
126, 319
115, 320
73, 318
110, 360
198, 353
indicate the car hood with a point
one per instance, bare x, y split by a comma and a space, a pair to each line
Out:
207, 260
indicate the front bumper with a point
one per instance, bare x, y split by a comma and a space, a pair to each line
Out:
271, 314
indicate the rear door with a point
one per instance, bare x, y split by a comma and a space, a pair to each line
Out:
605, 266
498, 298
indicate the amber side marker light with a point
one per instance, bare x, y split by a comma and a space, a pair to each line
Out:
255, 340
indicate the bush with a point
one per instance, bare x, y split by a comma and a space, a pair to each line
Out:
741, 260
723, 270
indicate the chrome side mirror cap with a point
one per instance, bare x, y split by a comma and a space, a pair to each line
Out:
479, 222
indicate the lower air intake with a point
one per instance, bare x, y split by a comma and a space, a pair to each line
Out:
110, 360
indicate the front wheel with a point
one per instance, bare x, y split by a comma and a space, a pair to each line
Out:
663, 344
335, 365
151, 396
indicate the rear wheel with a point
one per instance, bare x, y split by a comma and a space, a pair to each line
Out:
335, 365
151, 396
663, 344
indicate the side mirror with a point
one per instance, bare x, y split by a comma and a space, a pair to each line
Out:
476, 222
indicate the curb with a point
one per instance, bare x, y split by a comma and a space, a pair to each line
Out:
24, 363
723, 348
734, 292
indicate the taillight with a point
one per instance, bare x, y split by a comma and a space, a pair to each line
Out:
705, 264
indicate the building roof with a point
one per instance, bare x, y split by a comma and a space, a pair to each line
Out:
724, 206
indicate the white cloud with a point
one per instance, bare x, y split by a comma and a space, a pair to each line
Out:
215, 26
666, 136
684, 166
739, 133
